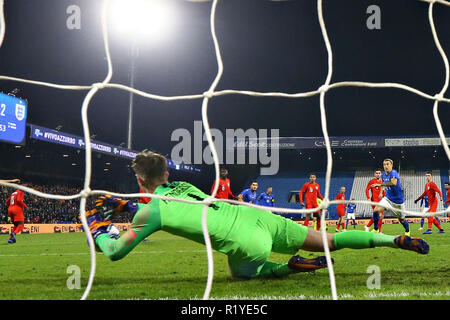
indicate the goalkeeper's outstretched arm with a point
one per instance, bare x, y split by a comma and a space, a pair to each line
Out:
146, 221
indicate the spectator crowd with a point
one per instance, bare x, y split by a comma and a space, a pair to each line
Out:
42, 210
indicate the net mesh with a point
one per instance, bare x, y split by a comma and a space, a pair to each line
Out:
206, 97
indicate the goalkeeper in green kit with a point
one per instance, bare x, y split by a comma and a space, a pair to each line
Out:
246, 235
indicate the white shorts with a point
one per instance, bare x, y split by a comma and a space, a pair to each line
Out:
351, 216
393, 207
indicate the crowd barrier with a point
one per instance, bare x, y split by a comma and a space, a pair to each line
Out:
54, 228
385, 221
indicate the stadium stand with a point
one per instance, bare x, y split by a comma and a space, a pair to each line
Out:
43, 210
286, 185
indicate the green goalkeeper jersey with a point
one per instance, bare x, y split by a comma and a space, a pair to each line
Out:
226, 223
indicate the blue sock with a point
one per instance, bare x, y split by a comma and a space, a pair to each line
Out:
376, 219
437, 218
421, 222
406, 225
354, 224
346, 224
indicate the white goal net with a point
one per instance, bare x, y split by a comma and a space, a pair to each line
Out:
436, 98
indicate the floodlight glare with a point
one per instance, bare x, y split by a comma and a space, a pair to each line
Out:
142, 18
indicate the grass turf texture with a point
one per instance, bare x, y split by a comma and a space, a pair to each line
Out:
170, 267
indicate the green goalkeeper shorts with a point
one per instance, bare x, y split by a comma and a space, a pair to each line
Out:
270, 233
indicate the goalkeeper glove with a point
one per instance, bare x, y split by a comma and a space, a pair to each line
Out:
117, 205
96, 222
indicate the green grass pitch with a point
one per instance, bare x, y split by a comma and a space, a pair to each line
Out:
170, 267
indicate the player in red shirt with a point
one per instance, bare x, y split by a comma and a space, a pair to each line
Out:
15, 211
377, 194
311, 190
341, 210
430, 190
224, 191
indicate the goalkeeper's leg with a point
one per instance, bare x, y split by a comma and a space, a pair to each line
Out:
363, 240
251, 258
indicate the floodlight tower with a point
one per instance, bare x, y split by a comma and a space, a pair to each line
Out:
138, 20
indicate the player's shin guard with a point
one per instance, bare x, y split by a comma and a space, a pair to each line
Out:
376, 219
362, 240
406, 225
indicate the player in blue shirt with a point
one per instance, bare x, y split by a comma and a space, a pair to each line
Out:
266, 199
424, 202
249, 195
351, 214
394, 200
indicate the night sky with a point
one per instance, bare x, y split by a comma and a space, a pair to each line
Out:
265, 45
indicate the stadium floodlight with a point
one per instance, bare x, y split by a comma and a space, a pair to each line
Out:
140, 21
142, 18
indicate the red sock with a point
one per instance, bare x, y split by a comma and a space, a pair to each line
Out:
306, 223
437, 224
18, 228
13, 230
430, 222
370, 222
343, 226
338, 226
380, 223
318, 224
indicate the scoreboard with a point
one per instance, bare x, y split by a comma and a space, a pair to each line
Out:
13, 118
